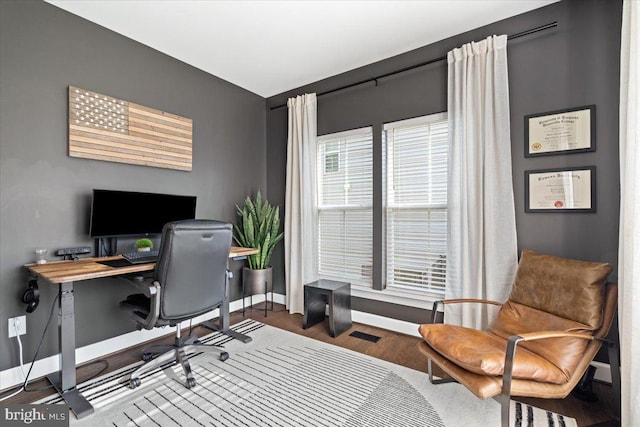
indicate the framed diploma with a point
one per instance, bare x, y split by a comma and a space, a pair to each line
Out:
560, 190
560, 132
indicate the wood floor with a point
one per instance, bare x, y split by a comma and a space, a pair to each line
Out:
393, 347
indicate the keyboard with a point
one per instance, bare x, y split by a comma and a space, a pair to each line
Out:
141, 257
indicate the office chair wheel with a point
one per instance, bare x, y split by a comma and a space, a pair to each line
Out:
223, 356
191, 382
134, 383
147, 356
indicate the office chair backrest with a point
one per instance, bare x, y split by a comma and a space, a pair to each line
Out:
191, 267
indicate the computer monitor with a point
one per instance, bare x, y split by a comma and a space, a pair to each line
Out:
130, 214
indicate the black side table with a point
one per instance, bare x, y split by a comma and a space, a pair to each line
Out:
322, 292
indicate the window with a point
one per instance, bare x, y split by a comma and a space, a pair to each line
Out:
416, 203
413, 225
344, 202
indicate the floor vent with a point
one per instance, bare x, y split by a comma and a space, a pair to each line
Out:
365, 336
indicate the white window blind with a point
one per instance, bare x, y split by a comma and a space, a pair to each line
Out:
345, 185
416, 203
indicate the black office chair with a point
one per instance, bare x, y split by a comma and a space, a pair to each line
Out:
190, 279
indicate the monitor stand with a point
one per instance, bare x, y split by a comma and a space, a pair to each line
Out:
106, 246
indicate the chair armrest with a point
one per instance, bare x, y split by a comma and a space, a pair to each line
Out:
512, 344
532, 336
434, 310
154, 305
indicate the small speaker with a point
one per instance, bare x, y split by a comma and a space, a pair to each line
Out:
31, 296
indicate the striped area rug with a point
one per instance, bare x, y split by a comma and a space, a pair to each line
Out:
282, 379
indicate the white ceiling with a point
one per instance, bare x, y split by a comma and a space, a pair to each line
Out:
269, 47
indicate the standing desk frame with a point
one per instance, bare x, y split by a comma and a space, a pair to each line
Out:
65, 273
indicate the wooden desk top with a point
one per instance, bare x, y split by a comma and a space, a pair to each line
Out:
90, 268
240, 251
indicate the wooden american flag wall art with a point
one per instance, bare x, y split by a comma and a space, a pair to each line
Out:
102, 127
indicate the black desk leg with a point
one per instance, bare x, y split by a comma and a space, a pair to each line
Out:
224, 324
65, 380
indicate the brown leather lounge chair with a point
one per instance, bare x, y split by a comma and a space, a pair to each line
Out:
541, 341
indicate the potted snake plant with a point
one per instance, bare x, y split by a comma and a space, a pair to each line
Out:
258, 227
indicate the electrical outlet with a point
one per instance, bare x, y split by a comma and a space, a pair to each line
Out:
19, 323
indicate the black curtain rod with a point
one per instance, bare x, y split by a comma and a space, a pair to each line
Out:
422, 64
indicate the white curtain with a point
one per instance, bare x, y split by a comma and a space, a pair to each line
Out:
300, 231
629, 247
482, 248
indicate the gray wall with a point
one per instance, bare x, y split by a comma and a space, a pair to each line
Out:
45, 195
572, 65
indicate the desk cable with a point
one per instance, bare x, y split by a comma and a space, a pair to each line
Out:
26, 377
15, 326
24, 386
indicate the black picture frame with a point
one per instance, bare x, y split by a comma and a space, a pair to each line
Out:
591, 187
592, 127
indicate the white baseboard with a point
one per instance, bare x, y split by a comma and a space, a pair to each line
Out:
395, 325
13, 376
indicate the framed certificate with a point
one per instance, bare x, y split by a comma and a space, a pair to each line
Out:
560, 190
560, 132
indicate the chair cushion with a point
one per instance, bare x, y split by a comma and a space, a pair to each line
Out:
565, 352
484, 353
567, 288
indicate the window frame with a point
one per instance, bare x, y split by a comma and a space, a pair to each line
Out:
366, 131
400, 290
377, 290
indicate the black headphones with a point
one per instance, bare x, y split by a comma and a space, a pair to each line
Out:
31, 296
